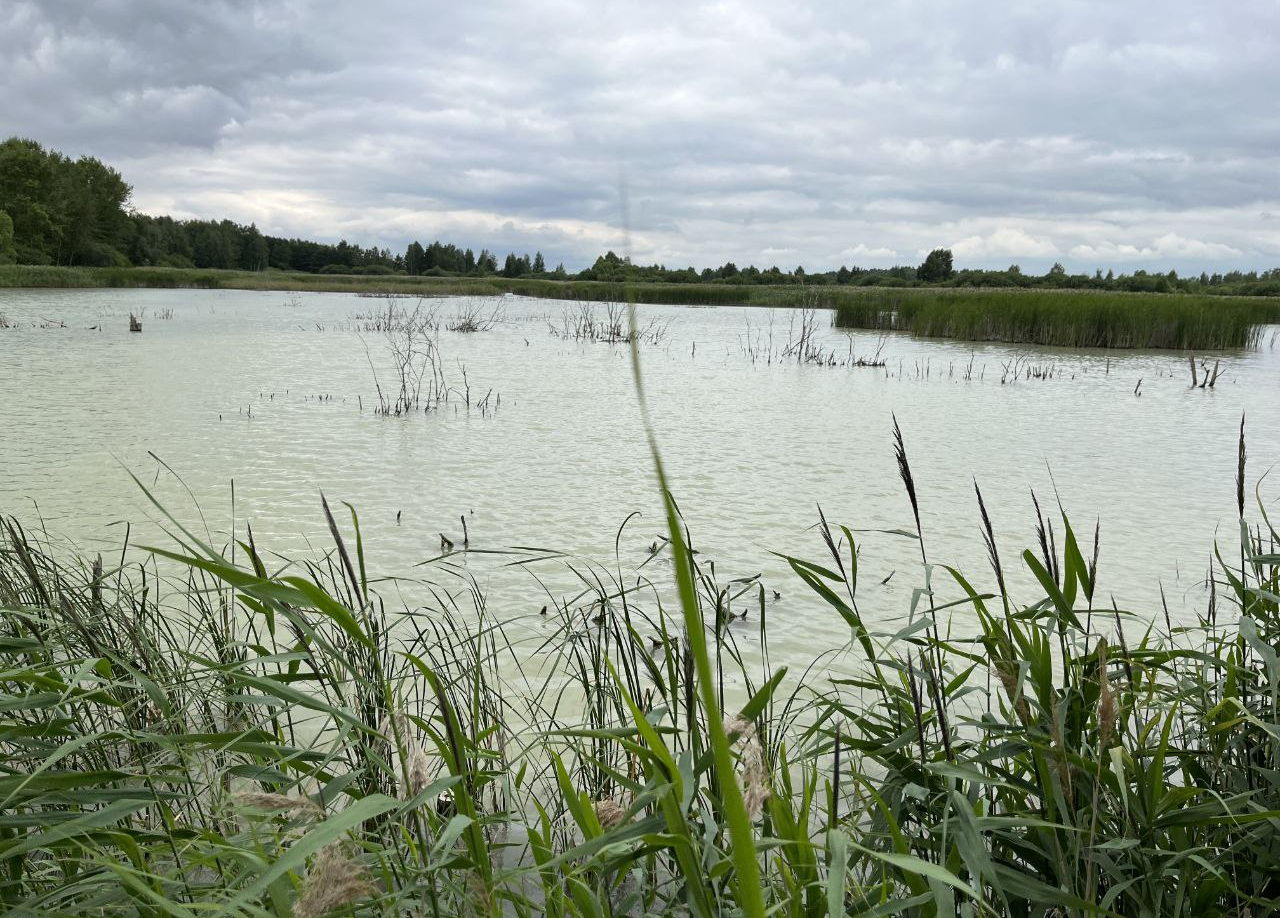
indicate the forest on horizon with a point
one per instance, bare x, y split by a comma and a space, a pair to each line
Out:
55, 210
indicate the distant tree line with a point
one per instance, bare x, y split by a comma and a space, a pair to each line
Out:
447, 260
937, 271
58, 211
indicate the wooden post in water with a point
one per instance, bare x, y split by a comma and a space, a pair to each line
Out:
135, 324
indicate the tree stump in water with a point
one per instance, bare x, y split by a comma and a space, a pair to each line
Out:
135, 324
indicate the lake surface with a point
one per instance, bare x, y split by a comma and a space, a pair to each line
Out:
275, 392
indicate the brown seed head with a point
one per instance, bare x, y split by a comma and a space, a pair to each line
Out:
753, 778
418, 770
334, 880
1007, 672
295, 806
1108, 712
609, 814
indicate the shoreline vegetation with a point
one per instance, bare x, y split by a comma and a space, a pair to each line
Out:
62, 212
68, 223
1074, 319
1066, 318
59, 211
261, 740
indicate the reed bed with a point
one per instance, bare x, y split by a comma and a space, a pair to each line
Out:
61, 276
217, 731
1081, 318
1066, 319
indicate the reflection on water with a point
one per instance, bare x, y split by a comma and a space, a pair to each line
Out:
257, 401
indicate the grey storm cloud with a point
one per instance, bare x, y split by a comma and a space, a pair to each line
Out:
1097, 134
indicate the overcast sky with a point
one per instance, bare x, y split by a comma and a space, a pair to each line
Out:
1100, 134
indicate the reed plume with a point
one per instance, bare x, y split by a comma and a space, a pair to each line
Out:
294, 806
753, 778
1108, 712
608, 813
334, 880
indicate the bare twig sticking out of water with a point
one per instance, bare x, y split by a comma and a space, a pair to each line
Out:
412, 340
757, 345
802, 329
584, 323
466, 385
1021, 367
875, 360
471, 317
802, 344
397, 318
1207, 378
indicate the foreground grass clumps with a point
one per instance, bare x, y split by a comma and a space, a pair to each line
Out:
1067, 319
253, 743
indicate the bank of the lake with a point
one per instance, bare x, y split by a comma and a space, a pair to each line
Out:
1073, 318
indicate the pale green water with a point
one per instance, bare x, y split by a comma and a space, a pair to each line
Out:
752, 448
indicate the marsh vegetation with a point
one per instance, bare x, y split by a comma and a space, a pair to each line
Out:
1081, 318
218, 728
607, 323
1066, 319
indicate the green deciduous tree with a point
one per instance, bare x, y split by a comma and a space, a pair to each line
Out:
63, 211
8, 254
414, 259
26, 191
937, 266
254, 252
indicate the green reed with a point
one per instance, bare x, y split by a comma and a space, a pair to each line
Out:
260, 738
1092, 319
1066, 319
61, 276
1061, 318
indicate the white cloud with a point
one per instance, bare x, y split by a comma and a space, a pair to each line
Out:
876, 254
1088, 128
1169, 247
1006, 242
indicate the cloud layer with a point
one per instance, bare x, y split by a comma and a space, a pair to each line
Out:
1096, 134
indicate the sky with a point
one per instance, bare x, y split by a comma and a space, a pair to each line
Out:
1103, 135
